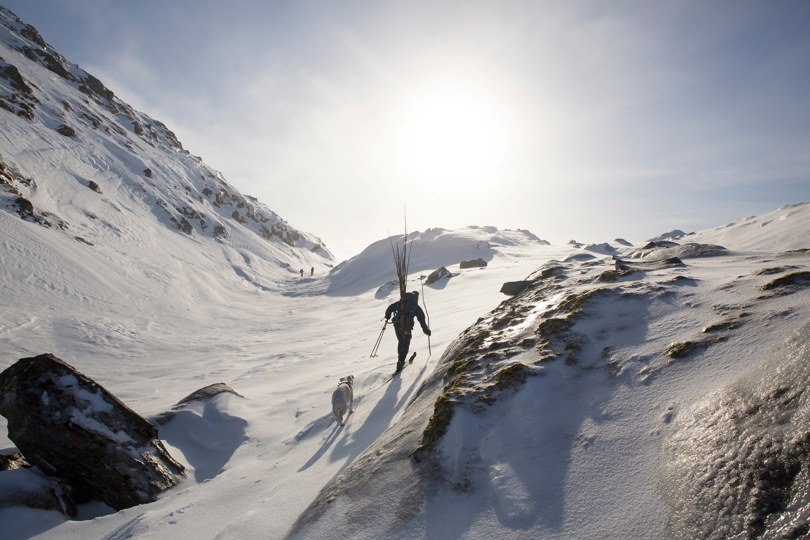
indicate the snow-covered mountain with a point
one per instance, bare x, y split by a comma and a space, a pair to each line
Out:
618, 391
77, 159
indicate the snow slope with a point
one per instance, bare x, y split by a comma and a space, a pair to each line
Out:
284, 353
76, 158
788, 228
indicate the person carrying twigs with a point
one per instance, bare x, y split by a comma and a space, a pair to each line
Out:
402, 313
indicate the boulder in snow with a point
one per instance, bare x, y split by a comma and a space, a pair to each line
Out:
476, 263
72, 428
603, 248
514, 288
438, 274
66, 130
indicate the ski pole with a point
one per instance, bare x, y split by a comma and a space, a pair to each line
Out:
427, 315
379, 339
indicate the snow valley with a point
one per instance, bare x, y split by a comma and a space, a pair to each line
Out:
613, 390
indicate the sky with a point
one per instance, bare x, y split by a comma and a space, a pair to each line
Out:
581, 119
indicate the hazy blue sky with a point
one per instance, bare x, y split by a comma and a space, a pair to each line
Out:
574, 119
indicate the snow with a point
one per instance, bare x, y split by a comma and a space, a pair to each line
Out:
786, 228
151, 343
153, 314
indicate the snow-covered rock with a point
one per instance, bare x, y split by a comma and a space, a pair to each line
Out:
74, 429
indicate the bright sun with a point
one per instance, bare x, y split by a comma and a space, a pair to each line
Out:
453, 140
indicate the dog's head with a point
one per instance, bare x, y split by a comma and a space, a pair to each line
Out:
347, 380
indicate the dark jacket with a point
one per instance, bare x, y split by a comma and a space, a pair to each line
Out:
412, 310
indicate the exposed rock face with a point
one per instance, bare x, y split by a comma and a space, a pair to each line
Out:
438, 274
479, 262
72, 428
66, 130
657, 250
513, 288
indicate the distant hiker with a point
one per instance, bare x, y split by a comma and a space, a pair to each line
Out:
312, 271
403, 323
302, 272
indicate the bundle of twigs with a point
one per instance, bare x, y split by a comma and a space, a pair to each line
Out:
402, 259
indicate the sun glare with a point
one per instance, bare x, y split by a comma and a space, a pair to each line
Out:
453, 139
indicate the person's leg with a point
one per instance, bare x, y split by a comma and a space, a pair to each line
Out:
402, 349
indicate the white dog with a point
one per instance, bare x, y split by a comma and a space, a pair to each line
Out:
343, 399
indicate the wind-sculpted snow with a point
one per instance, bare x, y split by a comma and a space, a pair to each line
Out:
201, 428
738, 459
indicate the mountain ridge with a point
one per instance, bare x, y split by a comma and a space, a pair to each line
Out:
64, 131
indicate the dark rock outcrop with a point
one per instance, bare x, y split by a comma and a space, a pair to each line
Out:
476, 263
72, 428
437, 275
513, 288
66, 130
